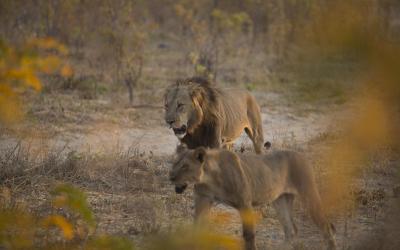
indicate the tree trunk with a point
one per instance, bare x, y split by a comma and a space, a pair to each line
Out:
129, 84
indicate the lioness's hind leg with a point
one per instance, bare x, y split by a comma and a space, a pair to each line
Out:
313, 202
324, 225
290, 200
283, 206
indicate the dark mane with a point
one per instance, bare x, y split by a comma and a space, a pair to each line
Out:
195, 79
209, 88
199, 80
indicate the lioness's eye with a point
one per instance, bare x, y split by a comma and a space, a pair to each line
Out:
184, 167
180, 105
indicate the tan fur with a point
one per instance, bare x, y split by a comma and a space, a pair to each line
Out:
246, 180
214, 117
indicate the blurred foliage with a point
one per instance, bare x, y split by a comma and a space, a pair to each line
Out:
204, 235
20, 70
74, 199
201, 238
263, 42
105, 242
20, 229
357, 38
17, 228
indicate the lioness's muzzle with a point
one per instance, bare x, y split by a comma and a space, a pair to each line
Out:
180, 189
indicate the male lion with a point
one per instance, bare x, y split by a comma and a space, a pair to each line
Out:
246, 180
204, 115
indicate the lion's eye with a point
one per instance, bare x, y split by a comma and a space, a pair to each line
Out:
166, 106
184, 167
180, 105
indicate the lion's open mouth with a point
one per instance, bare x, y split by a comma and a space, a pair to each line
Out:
180, 131
179, 189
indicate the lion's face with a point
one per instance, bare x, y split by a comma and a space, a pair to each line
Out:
188, 169
178, 110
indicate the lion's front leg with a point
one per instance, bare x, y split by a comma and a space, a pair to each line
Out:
216, 137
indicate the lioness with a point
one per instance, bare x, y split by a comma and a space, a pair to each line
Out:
203, 115
246, 180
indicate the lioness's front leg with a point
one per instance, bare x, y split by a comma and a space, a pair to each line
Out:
248, 225
202, 205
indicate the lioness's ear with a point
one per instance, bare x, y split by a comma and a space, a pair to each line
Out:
181, 148
199, 154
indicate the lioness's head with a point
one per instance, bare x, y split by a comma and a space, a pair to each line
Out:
188, 169
184, 103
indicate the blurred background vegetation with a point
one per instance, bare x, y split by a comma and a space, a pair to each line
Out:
314, 53
253, 43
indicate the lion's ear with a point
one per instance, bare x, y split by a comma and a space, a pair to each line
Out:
200, 153
181, 148
180, 82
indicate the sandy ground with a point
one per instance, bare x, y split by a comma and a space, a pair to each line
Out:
280, 128
118, 212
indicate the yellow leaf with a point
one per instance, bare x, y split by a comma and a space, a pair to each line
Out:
10, 106
250, 217
14, 74
49, 43
33, 81
66, 71
49, 64
20, 70
61, 223
220, 218
60, 201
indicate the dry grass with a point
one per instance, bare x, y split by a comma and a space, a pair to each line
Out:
128, 191
131, 196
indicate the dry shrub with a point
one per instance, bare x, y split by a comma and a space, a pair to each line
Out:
127, 171
121, 171
22, 164
21, 229
375, 100
146, 215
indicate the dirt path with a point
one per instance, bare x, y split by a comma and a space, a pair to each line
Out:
280, 128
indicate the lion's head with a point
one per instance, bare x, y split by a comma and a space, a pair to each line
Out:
188, 169
185, 103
